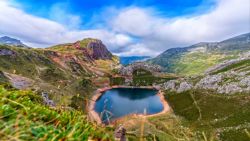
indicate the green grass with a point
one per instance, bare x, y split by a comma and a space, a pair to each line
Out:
3, 78
117, 81
188, 63
68, 48
60, 82
23, 117
237, 66
145, 78
25, 62
194, 63
207, 112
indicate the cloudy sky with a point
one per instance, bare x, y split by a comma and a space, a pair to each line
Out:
127, 27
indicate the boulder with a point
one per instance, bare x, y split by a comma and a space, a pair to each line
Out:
209, 82
184, 86
7, 52
230, 88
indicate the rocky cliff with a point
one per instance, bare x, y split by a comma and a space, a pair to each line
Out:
94, 49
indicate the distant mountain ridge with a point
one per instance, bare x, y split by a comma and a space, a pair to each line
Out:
5, 40
125, 60
195, 59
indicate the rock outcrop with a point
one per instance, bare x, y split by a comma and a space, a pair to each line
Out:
184, 86
94, 49
224, 83
47, 101
227, 63
128, 70
7, 52
178, 86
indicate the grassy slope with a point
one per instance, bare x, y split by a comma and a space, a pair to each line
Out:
194, 63
213, 116
62, 82
197, 58
197, 116
48, 75
241, 66
24, 117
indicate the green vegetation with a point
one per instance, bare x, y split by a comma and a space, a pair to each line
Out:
197, 62
197, 115
3, 79
195, 59
145, 78
71, 78
85, 42
117, 81
67, 48
24, 117
25, 61
192, 63
215, 116
240, 66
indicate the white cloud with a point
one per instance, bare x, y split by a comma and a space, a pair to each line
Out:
59, 13
137, 49
40, 32
129, 31
227, 19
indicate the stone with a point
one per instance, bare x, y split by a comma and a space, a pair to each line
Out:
230, 88
245, 82
128, 70
184, 86
209, 82
7, 52
170, 85
120, 133
47, 101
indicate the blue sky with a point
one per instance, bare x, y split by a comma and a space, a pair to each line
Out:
88, 9
128, 27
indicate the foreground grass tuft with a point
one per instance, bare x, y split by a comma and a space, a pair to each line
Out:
23, 117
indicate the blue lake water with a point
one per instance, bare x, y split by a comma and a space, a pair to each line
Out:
119, 102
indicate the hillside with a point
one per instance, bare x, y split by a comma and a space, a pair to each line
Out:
25, 117
60, 70
213, 106
44, 94
197, 58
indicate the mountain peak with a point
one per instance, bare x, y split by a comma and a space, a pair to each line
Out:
11, 41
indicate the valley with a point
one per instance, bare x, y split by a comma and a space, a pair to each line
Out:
206, 87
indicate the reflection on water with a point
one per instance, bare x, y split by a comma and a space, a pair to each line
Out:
119, 102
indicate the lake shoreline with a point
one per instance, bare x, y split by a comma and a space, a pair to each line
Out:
94, 116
